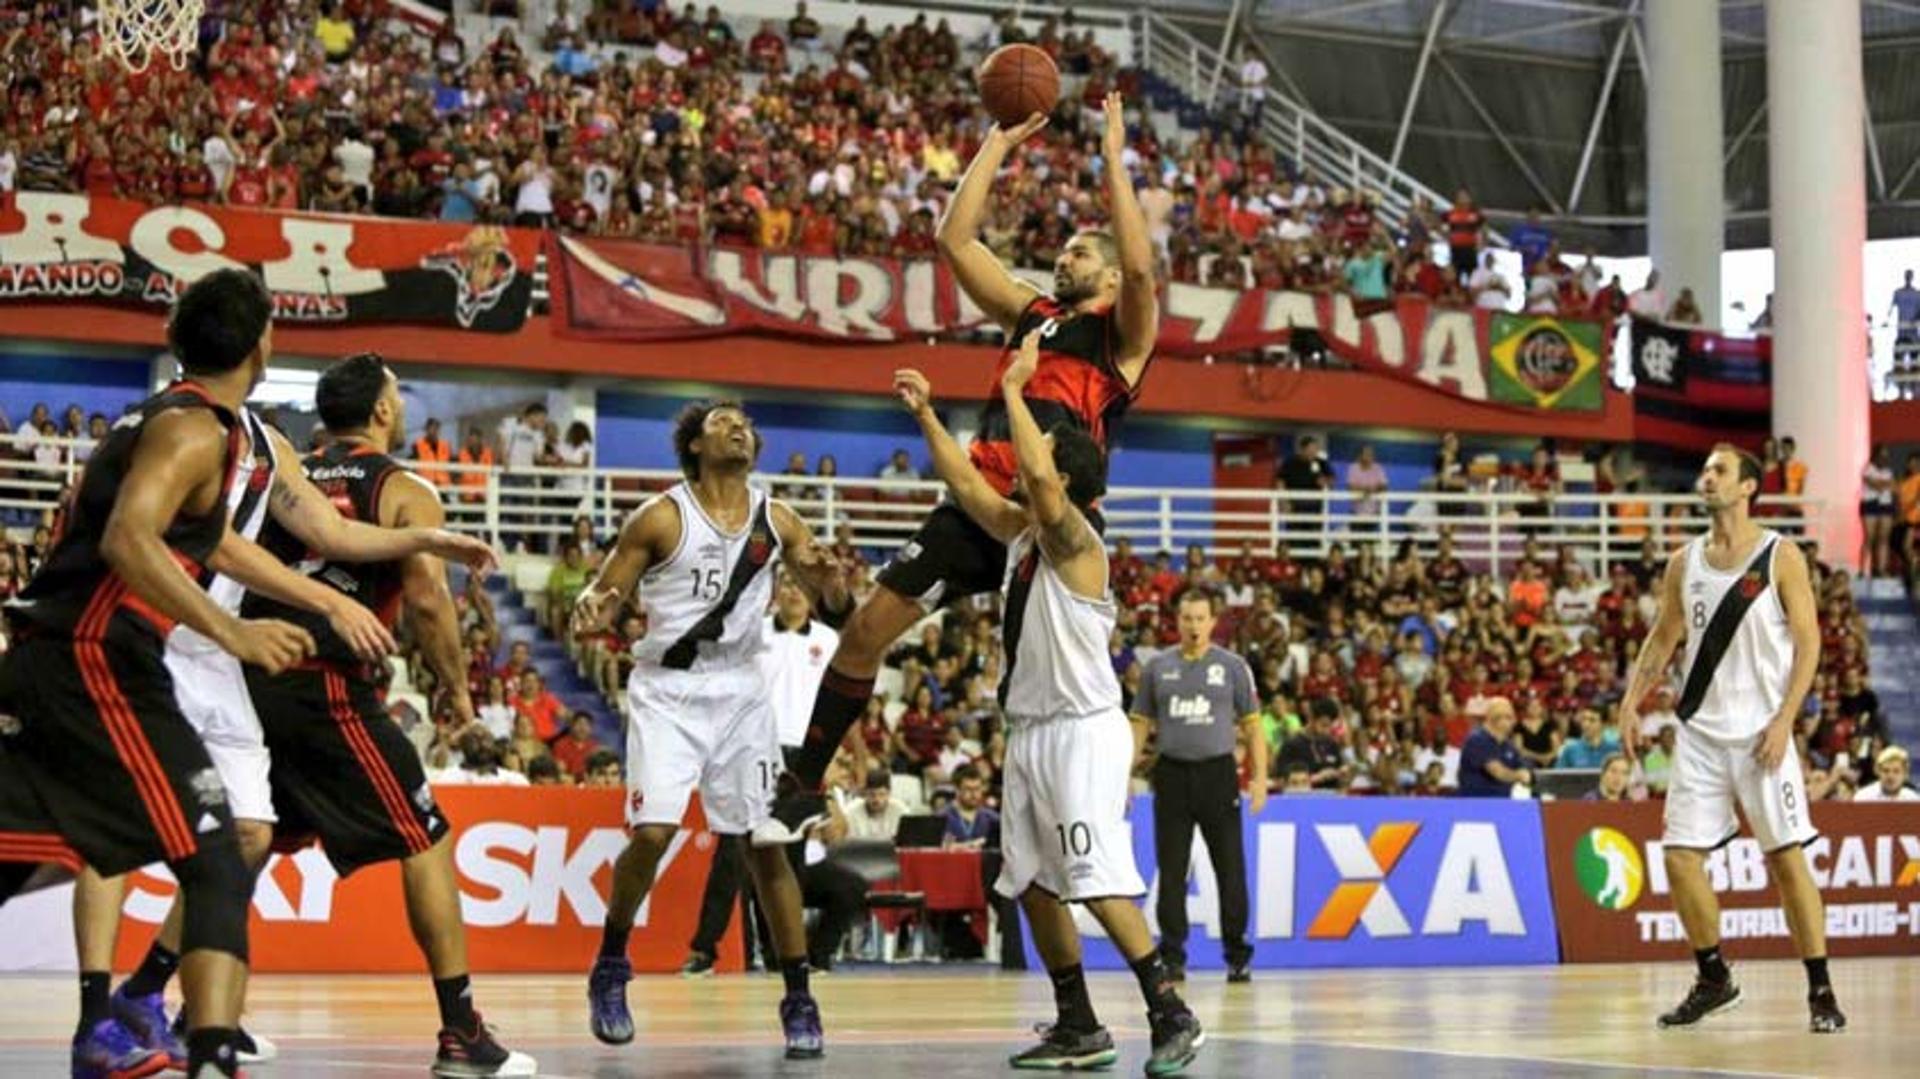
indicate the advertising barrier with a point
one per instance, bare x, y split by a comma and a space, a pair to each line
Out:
1614, 903
1341, 882
535, 866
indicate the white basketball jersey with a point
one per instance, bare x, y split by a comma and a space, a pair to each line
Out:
1057, 660
248, 491
711, 568
1745, 689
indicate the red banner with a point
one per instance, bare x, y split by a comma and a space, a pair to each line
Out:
1613, 903
535, 866
623, 291
321, 269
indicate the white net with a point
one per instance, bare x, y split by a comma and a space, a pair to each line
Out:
141, 31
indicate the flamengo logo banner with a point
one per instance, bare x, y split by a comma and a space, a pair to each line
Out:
1615, 904
534, 865
1337, 882
625, 291
321, 269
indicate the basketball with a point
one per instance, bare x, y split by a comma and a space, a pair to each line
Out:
1017, 81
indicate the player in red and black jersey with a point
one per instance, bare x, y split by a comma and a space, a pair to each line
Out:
1097, 330
342, 769
99, 763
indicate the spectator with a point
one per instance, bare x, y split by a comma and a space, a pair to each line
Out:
335, 34
545, 772
1490, 765
1877, 512
1649, 301
478, 457
574, 750
604, 771
1367, 480
1530, 239
1685, 310
1616, 779
876, 815
565, 581
1306, 470
1891, 768
899, 467
1576, 602
1596, 745
969, 822
1537, 737
1253, 86
1905, 314
802, 28
1316, 750
537, 705
1657, 765
1465, 227
1487, 287
496, 712
431, 452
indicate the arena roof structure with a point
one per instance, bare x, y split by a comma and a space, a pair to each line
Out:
1542, 103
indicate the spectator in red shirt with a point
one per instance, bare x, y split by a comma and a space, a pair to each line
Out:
1465, 225
519, 661
572, 751
920, 733
538, 704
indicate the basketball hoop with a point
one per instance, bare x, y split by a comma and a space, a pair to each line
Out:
136, 31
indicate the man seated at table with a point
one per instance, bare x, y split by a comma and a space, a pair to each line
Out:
970, 824
876, 815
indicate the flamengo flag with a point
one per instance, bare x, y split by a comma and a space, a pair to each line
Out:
1543, 362
1660, 355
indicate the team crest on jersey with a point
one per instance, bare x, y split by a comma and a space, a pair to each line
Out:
759, 547
1216, 675
1751, 585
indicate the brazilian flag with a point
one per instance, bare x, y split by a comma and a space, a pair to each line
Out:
1542, 362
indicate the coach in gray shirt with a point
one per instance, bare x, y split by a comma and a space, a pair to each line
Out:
1198, 698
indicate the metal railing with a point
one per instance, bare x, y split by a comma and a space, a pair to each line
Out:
533, 509
1199, 71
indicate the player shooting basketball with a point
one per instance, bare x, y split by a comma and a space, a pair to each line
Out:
1096, 335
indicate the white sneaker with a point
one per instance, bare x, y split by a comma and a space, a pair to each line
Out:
254, 1048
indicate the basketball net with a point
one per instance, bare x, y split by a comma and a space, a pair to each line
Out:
137, 31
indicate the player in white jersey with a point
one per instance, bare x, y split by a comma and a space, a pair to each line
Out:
267, 481
1064, 836
1741, 598
703, 556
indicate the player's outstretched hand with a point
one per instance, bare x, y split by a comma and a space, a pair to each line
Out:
913, 390
475, 553
1026, 360
1113, 140
1627, 716
362, 630
592, 611
272, 645
1021, 132
1772, 748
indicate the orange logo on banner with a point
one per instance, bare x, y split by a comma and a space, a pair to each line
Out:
1344, 908
534, 865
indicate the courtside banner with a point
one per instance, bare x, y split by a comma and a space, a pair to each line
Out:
1350, 882
1614, 903
535, 866
321, 269
627, 291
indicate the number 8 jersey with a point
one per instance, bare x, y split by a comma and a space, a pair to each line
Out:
709, 600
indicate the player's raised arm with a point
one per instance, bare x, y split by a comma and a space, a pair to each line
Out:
301, 509
1803, 623
647, 536
1065, 535
971, 492
817, 572
1668, 630
1138, 309
177, 451
987, 283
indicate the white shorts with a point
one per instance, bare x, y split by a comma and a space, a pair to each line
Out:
1063, 812
1709, 775
212, 693
710, 730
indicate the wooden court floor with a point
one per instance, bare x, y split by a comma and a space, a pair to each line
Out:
936, 1023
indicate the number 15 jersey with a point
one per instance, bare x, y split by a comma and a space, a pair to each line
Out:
708, 600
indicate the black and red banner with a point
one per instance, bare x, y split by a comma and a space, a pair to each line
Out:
321, 269
1693, 388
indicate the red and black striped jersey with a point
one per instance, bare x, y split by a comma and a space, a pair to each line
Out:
1078, 381
76, 593
352, 476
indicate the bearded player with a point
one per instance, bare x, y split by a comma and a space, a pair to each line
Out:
1096, 335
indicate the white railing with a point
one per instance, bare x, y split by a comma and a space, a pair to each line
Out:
1489, 527
1201, 71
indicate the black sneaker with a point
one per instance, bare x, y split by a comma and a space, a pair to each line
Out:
1704, 999
468, 1053
1239, 973
698, 965
1068, 1050
1177, 1039
1827, 1018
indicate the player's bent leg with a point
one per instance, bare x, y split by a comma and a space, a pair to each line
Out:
1713, 990
843, 693
1177, 1034
778, 892
1807, 921
1075, 1039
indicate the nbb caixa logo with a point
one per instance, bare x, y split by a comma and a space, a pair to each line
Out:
1372, 882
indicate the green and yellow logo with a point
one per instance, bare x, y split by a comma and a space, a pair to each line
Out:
1609, 868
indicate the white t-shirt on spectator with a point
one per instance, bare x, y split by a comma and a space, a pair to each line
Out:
536, 192
356, 162
220, 160
497, 719
1239, 596
1574, 607
1543, 295
9, 167
1873, 793
864, 825
575, 457
1489, 289
602, 180
1449, 764
1253, 77
520, 443
951, 759
1648, 303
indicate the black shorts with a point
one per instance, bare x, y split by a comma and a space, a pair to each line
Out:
949, 559
342, 770
98, 761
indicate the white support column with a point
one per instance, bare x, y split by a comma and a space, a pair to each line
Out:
1686, 201
1816, 170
